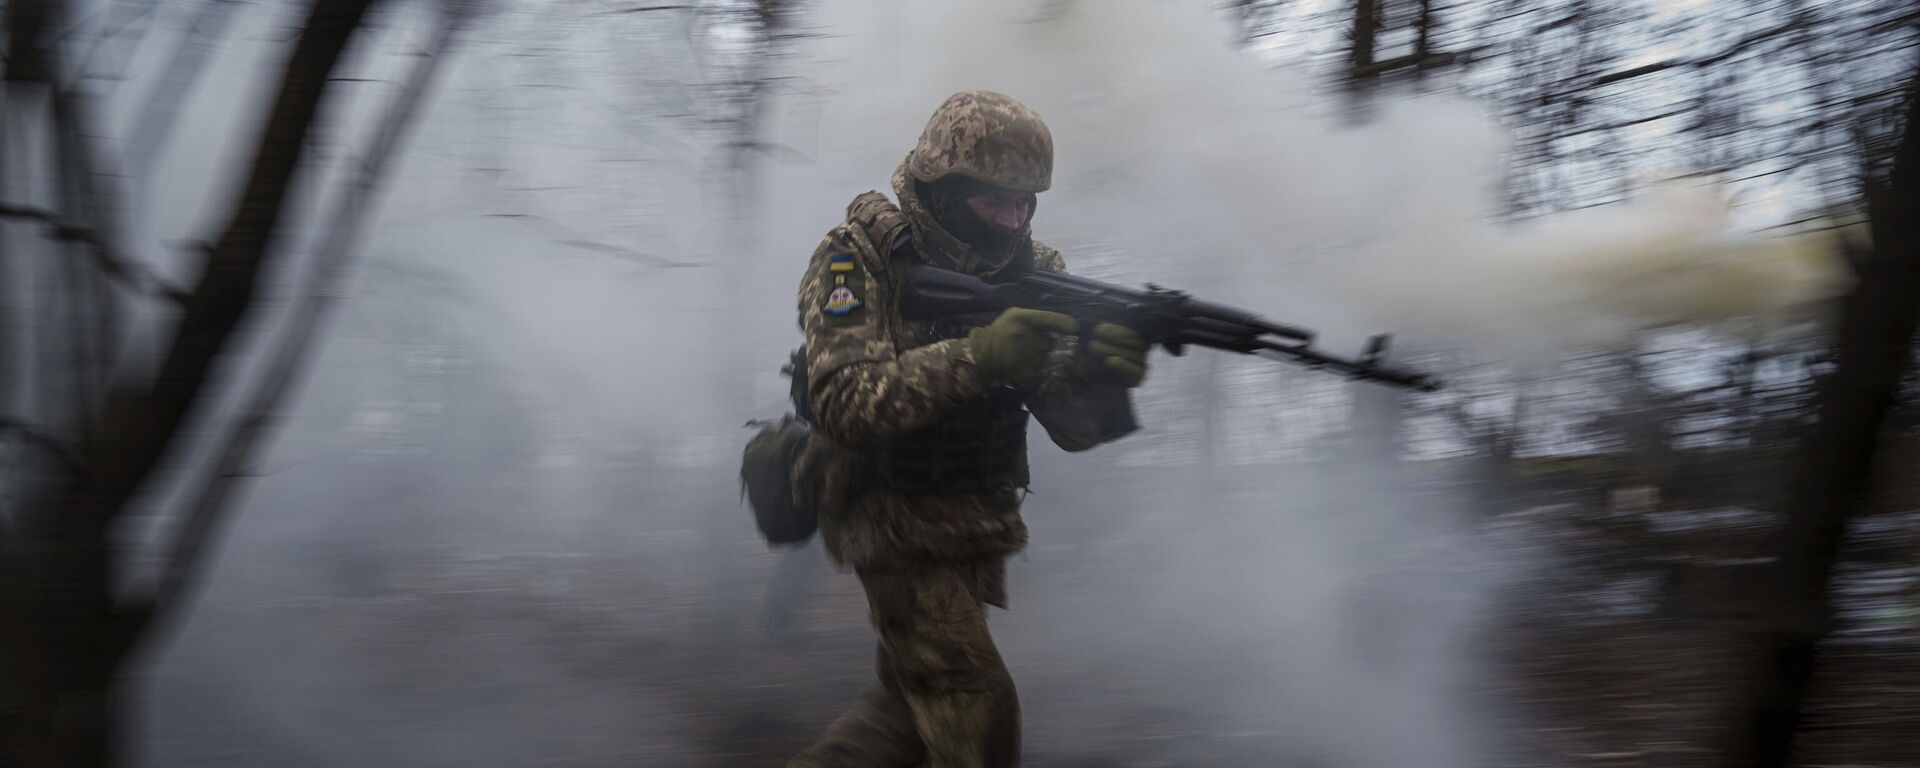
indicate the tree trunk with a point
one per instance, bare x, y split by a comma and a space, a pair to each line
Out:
1833, 471
1361, 77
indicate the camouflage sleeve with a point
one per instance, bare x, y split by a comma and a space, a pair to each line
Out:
1064, 402
860, 388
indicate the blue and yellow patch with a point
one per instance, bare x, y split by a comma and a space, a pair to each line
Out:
843, 299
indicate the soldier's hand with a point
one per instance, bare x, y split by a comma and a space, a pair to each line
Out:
1121, 351
1013, 348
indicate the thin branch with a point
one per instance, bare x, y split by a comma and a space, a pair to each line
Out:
95, 198
142, 11
159, 114
643, 9
94, 195
564, 235
1628, 123
134, 275
47, 439
1409, 61
1833, 224
62, 230
1739, 47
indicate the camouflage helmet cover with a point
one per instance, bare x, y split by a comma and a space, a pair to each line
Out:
989, 137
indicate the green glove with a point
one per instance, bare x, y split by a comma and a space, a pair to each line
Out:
1013, 348
1121, 351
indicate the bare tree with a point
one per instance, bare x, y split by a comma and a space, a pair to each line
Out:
71, 632
204, 515
1835, 467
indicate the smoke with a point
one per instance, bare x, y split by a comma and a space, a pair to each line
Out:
1670, 255
496, 390
1194, 160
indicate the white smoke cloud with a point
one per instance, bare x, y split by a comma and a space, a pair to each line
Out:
1670, 255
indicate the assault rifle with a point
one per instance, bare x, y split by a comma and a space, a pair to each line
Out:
1169, 318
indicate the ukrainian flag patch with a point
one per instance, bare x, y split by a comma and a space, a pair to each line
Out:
842, 303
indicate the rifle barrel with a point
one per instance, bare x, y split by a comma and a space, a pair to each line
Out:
1352, 369
1200, 309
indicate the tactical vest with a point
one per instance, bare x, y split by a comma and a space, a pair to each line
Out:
981, 444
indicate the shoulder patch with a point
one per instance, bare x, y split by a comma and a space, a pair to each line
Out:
845, 283
841, 301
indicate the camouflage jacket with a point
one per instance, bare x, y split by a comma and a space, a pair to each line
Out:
873, 376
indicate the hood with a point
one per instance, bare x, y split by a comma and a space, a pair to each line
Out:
941, 248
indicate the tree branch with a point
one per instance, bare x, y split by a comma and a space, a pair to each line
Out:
147, 423
203, 518
182, 70
564, 235
643, 9
1739, 47
45, 438
109, 260
1628, 123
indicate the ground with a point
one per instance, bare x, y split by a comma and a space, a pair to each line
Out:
656, 654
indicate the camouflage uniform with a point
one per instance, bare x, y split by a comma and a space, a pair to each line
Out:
924, 465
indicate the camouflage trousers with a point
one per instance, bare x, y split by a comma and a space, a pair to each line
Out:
944, 699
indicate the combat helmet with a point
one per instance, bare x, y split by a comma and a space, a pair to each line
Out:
988, 137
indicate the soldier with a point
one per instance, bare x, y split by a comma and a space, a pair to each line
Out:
920, 430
